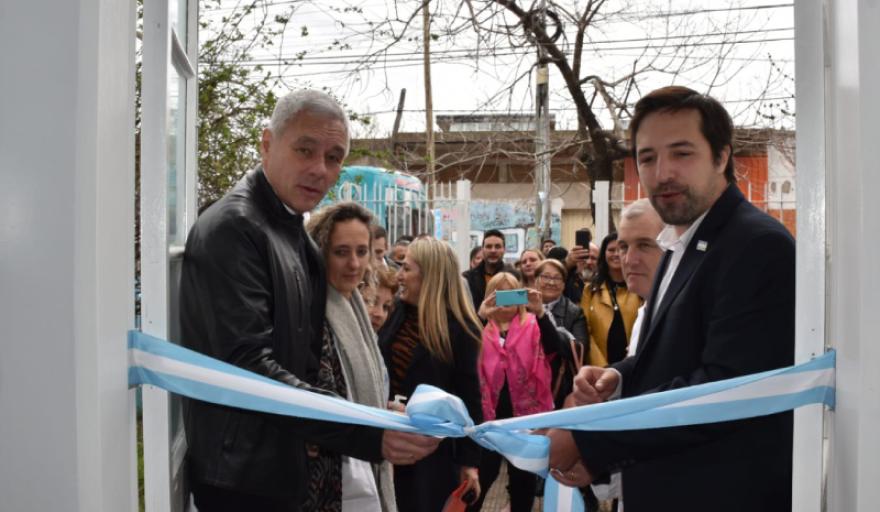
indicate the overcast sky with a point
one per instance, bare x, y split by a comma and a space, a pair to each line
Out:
757, 51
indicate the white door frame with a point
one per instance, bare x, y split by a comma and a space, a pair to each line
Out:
807, 481
165, 56
813, 250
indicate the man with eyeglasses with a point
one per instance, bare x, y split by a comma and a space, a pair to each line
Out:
550, 277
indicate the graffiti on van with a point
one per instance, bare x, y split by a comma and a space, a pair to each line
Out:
514, 218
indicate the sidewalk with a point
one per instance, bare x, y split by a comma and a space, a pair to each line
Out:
497, 500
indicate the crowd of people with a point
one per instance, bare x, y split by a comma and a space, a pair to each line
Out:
329, 305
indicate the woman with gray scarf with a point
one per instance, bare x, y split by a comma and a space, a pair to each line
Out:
356, 371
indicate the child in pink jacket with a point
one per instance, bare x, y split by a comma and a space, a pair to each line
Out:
515, 377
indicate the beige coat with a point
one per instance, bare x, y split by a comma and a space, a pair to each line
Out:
599, 312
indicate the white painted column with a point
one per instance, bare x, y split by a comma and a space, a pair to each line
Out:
67, 258
154, 246
602, 213
852, 45
808, 467
463, 223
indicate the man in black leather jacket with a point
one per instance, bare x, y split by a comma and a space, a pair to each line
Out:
252, 294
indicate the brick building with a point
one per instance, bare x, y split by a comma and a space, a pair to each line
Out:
497, 154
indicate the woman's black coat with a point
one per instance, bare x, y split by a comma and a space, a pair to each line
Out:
424, 486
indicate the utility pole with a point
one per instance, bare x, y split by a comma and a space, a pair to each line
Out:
429, 102
542, 142
396, 130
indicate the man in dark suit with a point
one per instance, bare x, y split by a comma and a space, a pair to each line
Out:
721, 306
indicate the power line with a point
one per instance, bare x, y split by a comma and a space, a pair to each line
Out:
625, 16
417, 63
552, 109
706, 11
331, 60
615, 41
635, 14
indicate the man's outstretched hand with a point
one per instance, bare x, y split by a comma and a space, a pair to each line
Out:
563, 451
566, 465
576, 476
404, 448
593, 385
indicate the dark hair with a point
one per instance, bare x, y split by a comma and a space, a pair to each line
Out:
474, 251
403, 240
495, 233
603, 274
715, 122
544, 241
379, 232
558, 253
321, 223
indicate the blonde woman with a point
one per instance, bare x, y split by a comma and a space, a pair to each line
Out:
528, 262
433, 337
378, 290
515, 375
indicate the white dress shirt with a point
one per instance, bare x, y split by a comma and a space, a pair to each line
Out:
668, 240
636, 332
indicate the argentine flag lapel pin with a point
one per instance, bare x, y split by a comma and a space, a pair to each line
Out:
702, 245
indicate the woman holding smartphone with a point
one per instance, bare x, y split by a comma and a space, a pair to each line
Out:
433, 337
514, 372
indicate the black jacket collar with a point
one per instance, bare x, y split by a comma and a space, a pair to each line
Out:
273, 206
706, 234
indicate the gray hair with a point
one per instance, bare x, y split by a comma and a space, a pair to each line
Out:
322, 222
637, 209
306, 100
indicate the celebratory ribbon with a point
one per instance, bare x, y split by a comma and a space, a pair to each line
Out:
432, 411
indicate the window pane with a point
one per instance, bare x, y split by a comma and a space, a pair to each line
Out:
177, 15
176, 157
176, 162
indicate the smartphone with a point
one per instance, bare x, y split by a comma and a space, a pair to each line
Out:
518, 297
583, 237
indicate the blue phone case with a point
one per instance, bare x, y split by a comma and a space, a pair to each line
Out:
518, 297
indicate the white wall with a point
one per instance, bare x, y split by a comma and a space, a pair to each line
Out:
852, 132
66, 256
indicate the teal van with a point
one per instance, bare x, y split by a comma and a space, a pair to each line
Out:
398, 200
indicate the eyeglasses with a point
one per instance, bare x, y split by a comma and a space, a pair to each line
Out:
550, 279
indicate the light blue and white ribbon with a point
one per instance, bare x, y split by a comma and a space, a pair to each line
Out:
561, 498
432, 411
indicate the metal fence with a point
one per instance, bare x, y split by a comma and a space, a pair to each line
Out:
441, 210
